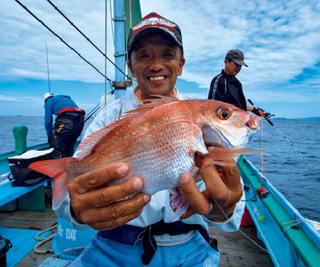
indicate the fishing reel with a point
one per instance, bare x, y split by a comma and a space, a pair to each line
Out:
268, 115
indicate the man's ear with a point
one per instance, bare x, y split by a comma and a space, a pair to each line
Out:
131, 68
181, 64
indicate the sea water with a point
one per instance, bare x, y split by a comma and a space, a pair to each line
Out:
286, 169
296, 176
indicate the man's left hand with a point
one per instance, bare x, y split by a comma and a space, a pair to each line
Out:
223, 192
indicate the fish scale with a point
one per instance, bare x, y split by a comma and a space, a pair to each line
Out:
159, 141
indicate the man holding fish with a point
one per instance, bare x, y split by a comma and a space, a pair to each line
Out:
143, 220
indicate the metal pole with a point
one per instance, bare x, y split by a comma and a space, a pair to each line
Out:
105, 46
119, 48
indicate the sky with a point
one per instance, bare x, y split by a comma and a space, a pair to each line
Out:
280, 41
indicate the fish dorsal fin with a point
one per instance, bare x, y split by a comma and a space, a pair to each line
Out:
148, 104
86, 146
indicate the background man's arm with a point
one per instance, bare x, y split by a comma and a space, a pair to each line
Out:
48, 119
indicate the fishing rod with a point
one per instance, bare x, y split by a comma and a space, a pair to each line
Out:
92, 112
267, 116
48, 65
95, 109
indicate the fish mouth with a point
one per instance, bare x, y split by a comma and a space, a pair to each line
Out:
211, 146
253, 123
214, 138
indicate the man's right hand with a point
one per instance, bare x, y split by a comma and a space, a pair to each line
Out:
258, 111
104, 207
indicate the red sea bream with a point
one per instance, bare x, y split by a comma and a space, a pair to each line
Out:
159, 140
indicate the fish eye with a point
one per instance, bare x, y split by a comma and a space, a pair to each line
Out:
223, 113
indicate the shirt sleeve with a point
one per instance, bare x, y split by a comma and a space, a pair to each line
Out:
211, 88
65, 212
220, 89
232, 224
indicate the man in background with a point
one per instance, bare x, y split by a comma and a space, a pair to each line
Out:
227, 88
68, 124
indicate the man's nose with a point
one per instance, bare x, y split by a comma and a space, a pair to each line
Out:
156, 64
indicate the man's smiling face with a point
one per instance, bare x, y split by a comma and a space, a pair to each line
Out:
156, 63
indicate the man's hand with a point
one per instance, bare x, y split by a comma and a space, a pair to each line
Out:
223, 192
258, 111
104, 207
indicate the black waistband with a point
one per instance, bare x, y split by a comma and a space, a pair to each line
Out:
128, 235
71, 116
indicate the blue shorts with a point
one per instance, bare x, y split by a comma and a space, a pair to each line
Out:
104, 252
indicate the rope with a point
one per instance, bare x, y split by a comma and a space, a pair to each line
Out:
61, 39
295, 222
36, 249
72, 24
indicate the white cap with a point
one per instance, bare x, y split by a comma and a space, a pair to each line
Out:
46, 95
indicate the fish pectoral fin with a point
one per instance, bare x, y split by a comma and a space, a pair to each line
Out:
222, 156
177, 203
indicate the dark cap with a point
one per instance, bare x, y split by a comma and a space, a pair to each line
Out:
236, 56
154, 23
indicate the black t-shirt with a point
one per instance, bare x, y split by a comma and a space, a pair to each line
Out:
227, 89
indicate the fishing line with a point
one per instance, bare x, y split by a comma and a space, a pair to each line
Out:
240, 230
267, 116
92, 112
315, 170
249, 238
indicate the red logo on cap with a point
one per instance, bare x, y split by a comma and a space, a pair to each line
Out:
154, 20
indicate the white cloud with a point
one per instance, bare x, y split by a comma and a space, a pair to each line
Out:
280, 40
20, 98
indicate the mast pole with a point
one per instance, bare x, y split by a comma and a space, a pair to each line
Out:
120, 48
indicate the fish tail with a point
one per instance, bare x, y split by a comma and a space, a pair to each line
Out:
221, 156
59, 171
